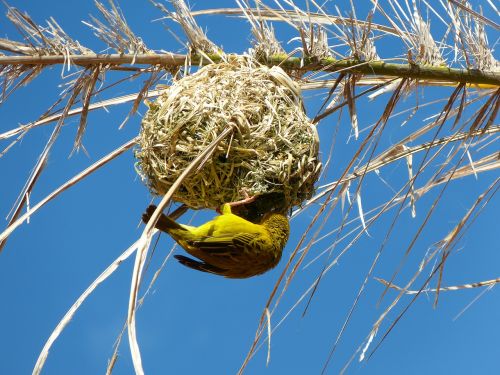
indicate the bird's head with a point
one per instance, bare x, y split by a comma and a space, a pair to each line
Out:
278, 226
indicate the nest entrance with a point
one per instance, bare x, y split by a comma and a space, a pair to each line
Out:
274, 148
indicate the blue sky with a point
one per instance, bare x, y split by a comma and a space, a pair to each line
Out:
198, 323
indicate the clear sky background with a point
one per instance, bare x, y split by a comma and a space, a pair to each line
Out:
196, 323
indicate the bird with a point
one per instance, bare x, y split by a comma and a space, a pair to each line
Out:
228, 245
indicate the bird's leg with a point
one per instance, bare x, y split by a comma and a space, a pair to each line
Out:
246, 200
226, 207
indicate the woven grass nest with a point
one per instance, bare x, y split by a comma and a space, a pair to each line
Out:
274, 148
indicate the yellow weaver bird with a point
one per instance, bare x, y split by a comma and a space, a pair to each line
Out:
229, 245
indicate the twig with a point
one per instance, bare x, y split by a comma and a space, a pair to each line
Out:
144, 241
120, 150
478, 284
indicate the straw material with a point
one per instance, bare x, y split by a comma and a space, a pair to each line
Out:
273, 149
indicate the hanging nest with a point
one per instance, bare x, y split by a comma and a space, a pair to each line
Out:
274, 148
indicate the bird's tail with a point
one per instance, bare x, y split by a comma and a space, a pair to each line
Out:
164, 223
199, 266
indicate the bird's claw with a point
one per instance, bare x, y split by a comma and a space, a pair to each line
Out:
148, 213
246, 200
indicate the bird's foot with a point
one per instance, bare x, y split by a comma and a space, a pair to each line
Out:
246, 200
148, 213
226, 207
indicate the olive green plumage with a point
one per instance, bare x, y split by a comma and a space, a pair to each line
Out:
229, 245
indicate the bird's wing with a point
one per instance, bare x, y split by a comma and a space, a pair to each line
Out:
225, 245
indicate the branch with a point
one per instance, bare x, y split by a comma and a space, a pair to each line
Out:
490, 79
